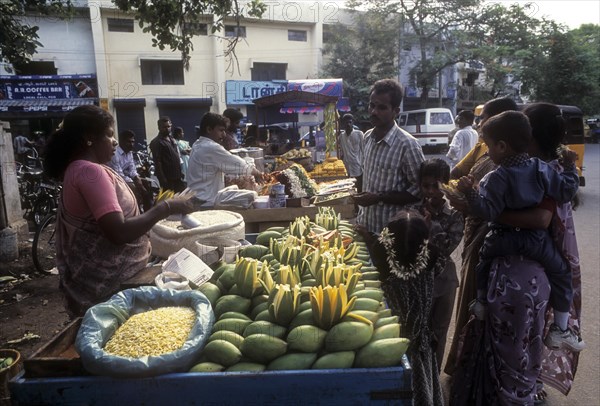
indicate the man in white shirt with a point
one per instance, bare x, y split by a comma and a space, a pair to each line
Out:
465, 138
210, 161
352, 144
122, 162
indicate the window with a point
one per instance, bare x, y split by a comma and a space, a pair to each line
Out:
296, 35
402, 120
441, 118
120, 24
36, 68
235, 31
415, 119
196, 28
157, 72
328, 34
268, 71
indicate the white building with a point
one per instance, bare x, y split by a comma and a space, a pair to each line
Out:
139, 83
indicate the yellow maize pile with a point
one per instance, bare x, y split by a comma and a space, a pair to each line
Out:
152, 333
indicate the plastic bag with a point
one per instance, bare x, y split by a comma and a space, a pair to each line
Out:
232, 196
102, 320
172, 280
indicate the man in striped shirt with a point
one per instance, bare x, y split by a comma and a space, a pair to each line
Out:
391, 160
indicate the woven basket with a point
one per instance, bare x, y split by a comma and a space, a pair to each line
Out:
7, 374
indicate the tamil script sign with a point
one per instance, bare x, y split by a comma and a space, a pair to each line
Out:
244, 91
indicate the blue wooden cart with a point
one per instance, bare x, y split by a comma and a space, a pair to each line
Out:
308, 387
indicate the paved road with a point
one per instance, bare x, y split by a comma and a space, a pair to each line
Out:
586, 388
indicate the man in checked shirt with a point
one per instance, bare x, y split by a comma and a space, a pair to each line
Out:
391, 160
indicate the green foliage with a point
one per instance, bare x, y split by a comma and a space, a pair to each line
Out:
571, 66
440, 30
18, 39
362, 54
165, 20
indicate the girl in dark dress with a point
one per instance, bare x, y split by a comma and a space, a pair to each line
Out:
407, 264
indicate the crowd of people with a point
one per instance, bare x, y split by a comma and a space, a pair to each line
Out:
518, 292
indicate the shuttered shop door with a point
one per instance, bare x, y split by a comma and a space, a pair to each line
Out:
130, 116
184, 113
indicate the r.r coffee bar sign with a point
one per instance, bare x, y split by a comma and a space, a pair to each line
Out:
47, 87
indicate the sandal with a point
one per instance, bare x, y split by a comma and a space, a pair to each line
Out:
540, 395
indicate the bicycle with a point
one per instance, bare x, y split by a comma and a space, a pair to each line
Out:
43, 248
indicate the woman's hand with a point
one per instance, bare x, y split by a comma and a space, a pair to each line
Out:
184, 203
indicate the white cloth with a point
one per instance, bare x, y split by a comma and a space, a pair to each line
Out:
463, 141
209, 162
21, 144
124, 165
352, 148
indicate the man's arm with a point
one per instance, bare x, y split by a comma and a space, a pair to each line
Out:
463, 167
455, 146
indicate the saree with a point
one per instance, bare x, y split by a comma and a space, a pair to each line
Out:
91, 268
560, 366
475, 232
499, 359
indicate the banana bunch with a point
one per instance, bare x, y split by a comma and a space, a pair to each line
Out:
330, 117
266, 279
350, 252
290, 251
288, 275
339, 274
312, 263
284, 303
329, 304
164, 194
451, 191
300, 227
327, 220
246, 276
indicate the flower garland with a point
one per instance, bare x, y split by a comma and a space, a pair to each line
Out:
294, 183
401, 271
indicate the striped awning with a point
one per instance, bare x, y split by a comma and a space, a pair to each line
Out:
36, 105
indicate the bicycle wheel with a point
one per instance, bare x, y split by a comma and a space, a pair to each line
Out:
43, 247
42, 208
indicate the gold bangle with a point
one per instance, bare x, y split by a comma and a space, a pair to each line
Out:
168, 208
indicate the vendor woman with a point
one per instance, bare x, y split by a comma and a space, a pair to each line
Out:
210, 161
101, 236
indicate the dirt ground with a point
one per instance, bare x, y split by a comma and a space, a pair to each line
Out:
31, 309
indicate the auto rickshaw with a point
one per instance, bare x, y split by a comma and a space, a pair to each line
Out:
575, 137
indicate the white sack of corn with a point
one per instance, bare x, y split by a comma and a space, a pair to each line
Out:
168, 236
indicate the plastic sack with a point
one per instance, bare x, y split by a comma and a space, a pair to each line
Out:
233, 196
172, 280
101, 321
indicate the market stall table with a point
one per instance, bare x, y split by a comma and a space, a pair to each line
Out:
258, 220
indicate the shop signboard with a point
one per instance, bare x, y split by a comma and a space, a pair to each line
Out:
35, 87
242, 92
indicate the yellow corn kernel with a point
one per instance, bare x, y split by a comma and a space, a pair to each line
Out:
152, 333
